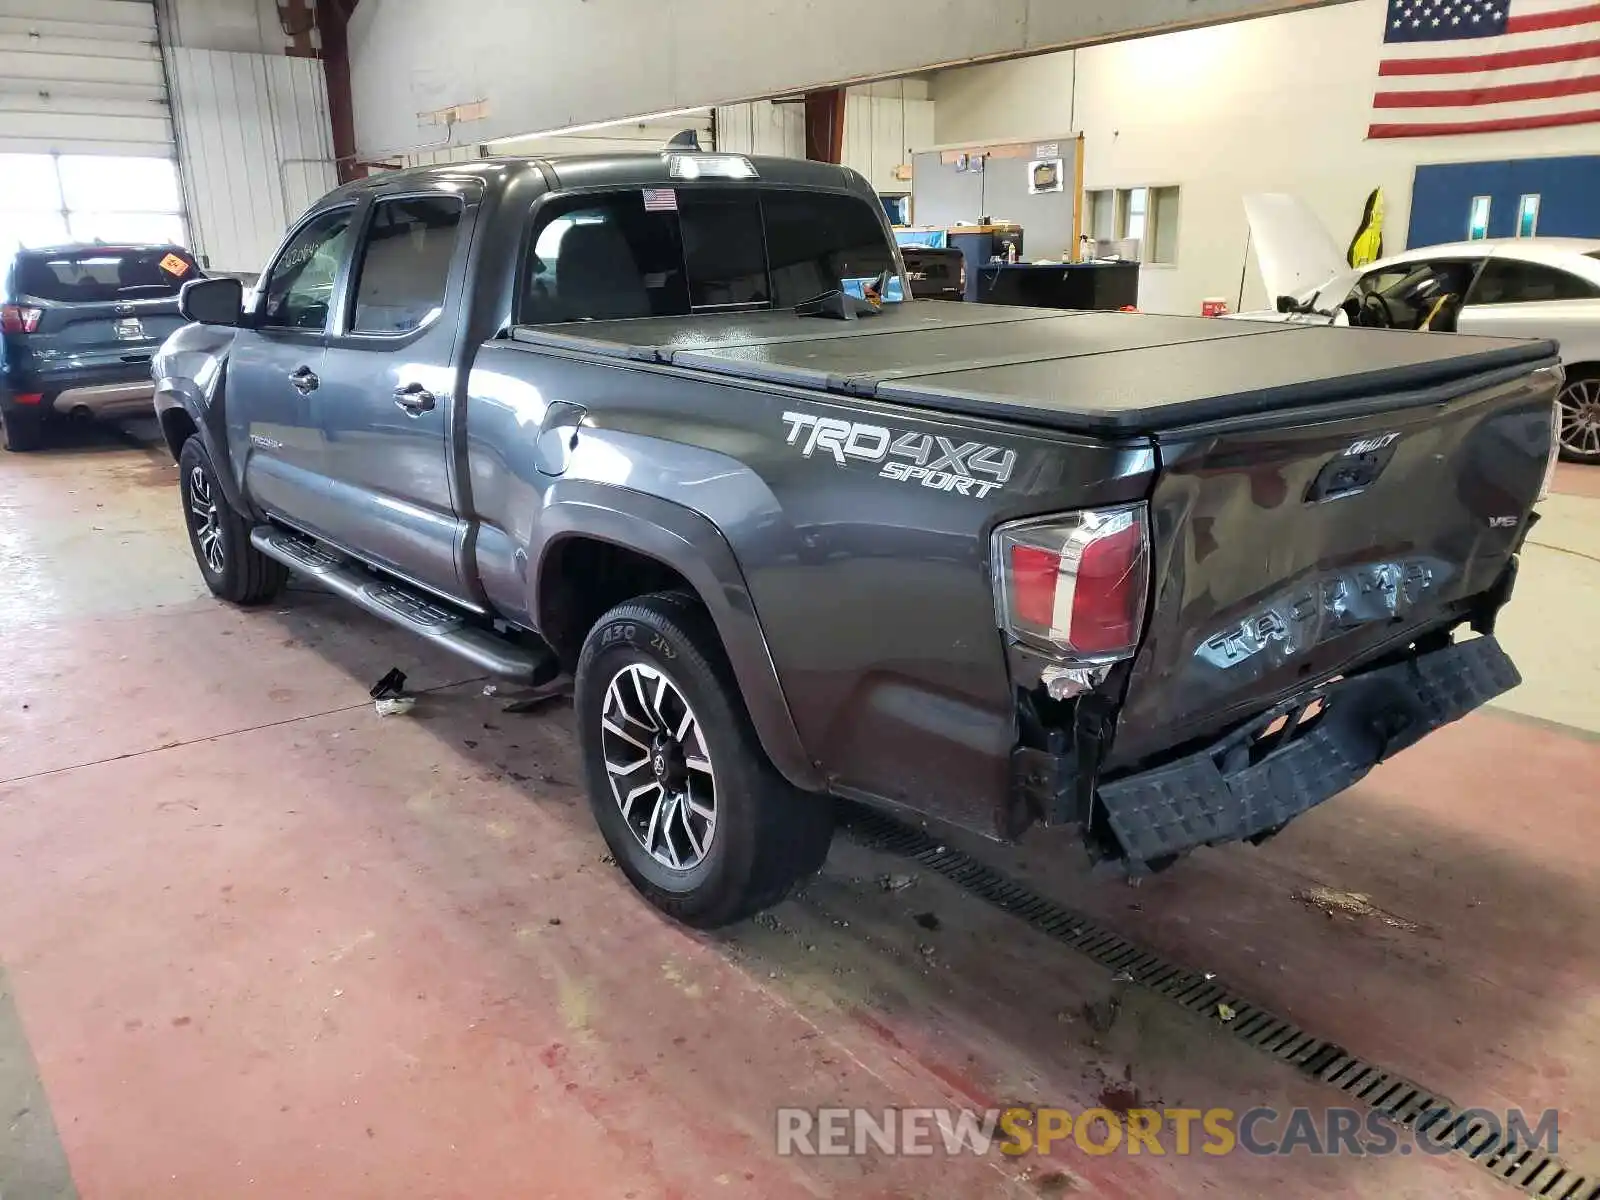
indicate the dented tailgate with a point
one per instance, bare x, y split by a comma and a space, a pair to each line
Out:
1294, 548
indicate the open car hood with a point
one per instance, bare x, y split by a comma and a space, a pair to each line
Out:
1294, 250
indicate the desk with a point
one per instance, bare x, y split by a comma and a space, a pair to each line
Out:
1110, 285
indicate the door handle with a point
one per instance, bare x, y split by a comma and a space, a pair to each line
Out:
414, 398
305, 380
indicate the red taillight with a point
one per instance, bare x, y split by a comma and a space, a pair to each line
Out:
1075, 585
1033, 583
27, 398
14, 318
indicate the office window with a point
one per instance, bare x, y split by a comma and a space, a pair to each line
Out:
405, 263
1528, 215
1135, 205
1148, 215
1099, 218
1478, 218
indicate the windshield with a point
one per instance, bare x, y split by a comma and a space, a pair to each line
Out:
101, 273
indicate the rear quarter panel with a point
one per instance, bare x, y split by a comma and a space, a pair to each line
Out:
873, 592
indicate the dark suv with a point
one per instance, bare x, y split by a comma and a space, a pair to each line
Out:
78, 326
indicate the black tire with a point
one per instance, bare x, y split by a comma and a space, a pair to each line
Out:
767, 835
1580, 416
20, 428
232, 568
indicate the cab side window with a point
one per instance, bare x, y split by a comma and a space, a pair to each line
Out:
1507, 281
404, 263
298, 291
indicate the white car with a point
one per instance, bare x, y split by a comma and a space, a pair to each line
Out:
1512, 287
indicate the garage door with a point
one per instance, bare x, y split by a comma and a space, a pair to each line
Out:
86, 144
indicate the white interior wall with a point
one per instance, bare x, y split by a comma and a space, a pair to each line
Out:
1276, 104
548, 65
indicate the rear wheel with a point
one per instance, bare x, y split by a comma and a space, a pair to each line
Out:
702, 824
232, 568
1580, 416
21, 428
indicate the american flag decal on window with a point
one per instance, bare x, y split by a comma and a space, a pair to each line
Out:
1486, 66
660, 200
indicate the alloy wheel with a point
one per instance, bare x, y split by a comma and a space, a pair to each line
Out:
1580, 416
205, 519
659, 767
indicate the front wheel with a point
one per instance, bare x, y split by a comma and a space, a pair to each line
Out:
694, 813
1580, 416
232, 568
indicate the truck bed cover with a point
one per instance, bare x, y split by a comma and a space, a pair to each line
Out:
1089, 372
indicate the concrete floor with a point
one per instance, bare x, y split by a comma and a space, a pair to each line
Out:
255, 940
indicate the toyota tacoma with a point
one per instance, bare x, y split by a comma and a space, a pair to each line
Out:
671, 423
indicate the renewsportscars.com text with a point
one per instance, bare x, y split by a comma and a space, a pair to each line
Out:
842, 1132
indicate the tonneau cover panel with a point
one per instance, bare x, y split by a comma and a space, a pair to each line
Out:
1086, 372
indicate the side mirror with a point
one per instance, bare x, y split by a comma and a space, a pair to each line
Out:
217, 301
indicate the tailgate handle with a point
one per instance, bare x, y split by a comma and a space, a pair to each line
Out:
1348, 474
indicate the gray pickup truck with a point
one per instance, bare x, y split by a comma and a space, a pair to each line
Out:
666, 422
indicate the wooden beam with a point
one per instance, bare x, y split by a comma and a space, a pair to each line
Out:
825, 125
333, 20
1077, 197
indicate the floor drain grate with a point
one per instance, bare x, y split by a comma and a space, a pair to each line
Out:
1409, 1104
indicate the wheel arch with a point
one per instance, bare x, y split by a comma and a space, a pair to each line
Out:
186, 406
665, 546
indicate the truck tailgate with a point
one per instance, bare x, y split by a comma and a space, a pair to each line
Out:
1289, 547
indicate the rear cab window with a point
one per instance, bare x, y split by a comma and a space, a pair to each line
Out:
104, 274
646, 252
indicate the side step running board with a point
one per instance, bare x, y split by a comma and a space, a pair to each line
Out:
408, 608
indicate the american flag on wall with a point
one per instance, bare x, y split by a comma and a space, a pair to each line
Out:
1486, 66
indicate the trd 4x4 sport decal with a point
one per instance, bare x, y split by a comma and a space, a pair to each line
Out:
940, 463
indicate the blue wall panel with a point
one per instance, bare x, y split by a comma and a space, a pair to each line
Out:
1568, 191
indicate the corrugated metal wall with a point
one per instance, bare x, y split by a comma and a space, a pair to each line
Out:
82, 77
256, 149
883, 124
762, 127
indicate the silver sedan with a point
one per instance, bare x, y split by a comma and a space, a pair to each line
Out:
1514, 287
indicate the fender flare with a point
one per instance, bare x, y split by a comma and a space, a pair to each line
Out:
209, 414
690, 544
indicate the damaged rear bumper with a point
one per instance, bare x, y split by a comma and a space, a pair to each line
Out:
1252, 782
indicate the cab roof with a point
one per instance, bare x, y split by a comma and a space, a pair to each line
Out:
614, 170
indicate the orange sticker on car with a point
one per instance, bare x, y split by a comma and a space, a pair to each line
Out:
173, 265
